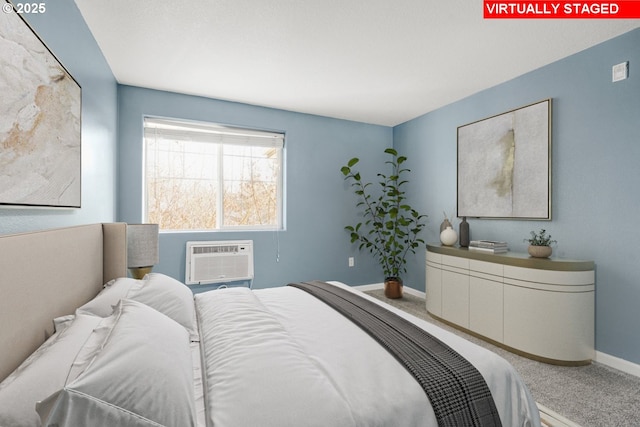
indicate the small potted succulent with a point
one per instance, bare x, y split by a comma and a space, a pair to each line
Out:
540, 244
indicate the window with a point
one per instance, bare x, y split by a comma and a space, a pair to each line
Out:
201, 176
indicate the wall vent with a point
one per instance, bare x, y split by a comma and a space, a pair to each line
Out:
218, 261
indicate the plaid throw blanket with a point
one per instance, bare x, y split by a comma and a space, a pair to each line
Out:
458, 393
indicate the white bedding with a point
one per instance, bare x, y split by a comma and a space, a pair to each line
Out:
280, 357
267, 358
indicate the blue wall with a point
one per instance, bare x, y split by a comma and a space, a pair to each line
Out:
596, 175
64, 31
319, 204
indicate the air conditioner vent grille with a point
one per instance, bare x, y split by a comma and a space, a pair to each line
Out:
216, 261
215, 249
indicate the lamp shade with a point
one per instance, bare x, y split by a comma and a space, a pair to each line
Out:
142, 245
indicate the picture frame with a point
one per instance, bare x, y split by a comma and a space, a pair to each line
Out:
40, 121
504, 165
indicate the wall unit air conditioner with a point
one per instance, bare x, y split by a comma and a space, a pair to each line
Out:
219, 261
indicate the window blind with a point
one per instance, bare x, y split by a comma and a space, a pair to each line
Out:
204, 132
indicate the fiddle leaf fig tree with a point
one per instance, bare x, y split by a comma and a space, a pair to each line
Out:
390, 228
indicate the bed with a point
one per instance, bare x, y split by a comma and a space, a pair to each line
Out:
105, 349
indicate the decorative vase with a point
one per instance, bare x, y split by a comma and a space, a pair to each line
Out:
539, 251
444, 224
393, 287
464, 233
448, 237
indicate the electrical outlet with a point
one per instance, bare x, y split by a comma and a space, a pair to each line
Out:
352, 261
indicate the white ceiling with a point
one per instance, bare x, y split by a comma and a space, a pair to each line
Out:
373, 61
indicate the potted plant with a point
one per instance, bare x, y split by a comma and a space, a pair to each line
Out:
540, 244
390, 228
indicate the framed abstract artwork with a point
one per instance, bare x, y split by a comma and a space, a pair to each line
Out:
504, 165
40, 129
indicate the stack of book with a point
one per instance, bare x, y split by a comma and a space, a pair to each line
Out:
490, 246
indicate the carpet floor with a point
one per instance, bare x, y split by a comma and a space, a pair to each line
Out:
590, 396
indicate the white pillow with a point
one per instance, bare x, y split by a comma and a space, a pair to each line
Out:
43, 373
135, 370
114, 290
63, 322
156, 290
168, 296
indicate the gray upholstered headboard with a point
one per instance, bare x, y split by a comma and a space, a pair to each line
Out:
50, 273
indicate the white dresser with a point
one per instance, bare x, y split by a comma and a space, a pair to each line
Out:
539, 308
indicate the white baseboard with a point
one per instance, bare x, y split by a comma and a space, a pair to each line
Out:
617, 363
413, 292
371, 287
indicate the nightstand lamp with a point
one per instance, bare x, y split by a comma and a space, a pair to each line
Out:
142, 248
